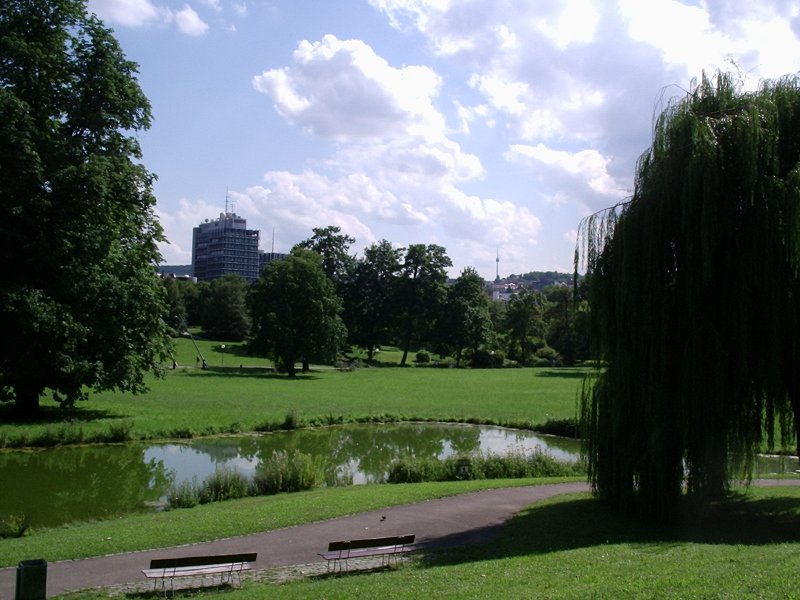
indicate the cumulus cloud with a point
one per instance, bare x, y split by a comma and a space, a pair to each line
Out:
128, 13
189, 22
341, 89
534, 111
143, 13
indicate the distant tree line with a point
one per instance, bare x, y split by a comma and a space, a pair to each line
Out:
322, 301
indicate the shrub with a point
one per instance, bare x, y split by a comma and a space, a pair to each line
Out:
486, 359
289, 472
550, 354
516, 463
423, 357
561, 427
415, 470
224, 484
184, 495
14, 526
118, 432
292, 421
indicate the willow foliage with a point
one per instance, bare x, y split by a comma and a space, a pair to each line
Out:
694, 294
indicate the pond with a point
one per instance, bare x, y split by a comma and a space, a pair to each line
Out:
62, 485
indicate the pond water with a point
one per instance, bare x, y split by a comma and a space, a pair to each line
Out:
61, 485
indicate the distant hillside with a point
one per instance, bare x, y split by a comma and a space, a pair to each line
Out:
177, 270
538, 280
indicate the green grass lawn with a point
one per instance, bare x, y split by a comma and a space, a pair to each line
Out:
564, 548
572, 547
225, 519
190, 401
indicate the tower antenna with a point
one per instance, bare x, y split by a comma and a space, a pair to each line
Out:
497, 261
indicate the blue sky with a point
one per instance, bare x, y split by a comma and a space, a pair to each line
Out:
484, 126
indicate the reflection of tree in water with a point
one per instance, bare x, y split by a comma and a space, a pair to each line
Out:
62, 485
372, 447
218, 450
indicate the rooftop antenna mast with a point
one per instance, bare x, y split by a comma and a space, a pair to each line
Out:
272, 250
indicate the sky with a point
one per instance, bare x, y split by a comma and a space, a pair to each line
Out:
488, 127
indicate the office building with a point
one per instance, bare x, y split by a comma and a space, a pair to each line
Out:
225, 246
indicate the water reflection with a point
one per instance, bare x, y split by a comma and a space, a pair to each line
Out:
361, 452
63, 485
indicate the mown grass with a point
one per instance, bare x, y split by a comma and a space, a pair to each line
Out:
571, 547
192, 402
230, 518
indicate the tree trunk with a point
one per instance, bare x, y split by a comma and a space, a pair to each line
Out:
27, 402
306, 365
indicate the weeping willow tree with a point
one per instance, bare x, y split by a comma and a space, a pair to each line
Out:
695, 300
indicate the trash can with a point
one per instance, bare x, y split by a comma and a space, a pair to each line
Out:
32, 580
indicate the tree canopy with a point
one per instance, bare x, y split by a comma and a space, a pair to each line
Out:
80, 304
296, 312
421, 289
694, 299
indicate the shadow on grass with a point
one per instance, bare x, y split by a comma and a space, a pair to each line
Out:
563, 373
183, 592
234, 372
585, 522
56, 415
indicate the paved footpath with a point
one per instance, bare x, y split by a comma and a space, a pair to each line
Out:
446, 522
451, 521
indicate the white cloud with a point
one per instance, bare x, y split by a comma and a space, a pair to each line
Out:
144, 13
189, 22
341, 89
577, 23
178, 227
128, 13
581, 177
240, 8
216, 5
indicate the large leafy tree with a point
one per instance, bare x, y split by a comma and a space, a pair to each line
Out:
465, 322
370, 296
524, 322
296, 311
80, 305
694, 294
421, 291
334, 248
225, 311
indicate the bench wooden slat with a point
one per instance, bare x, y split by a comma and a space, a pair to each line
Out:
196, 561
198, 566
343, 550
196, 571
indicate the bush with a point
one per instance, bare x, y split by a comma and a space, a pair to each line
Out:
486, 359
415, 470
289, 472
561, 427
184, 495
224, 484
14, 526
549, 354
423, 357
513, 465
292, 421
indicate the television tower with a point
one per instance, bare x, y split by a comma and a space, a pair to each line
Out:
497, 261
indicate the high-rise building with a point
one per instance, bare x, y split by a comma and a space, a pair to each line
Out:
225, 246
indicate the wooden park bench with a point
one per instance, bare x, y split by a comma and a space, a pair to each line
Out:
387, 548
225, 565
